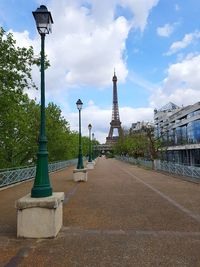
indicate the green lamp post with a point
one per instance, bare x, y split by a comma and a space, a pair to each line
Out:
90, 145
79, 105
93, 156
42, 187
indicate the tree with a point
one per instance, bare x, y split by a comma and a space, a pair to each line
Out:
19, 128
15, 107
133, 145
73, 145
154, 144
58, 132
140, 143
15, 65
20, 116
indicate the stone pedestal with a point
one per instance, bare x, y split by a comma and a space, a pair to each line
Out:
90, 165
80, 175
40, 217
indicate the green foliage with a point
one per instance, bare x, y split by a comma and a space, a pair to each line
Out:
85, 146
109, 154
138, 144
15, 65
20, 116
57, 130
16, 110
133, 145
18, 132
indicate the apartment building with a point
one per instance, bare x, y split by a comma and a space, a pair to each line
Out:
179, 129
138, 126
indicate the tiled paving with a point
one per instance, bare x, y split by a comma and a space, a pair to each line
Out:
123, 216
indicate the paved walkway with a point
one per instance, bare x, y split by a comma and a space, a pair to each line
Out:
123, 216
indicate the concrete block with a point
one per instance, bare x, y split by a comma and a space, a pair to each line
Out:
40, 217
90, 165
80, 175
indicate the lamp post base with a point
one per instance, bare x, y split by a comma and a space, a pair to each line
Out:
80, 175
38, 192
39, 217
90, 165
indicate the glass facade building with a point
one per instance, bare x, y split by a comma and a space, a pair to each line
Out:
179, 130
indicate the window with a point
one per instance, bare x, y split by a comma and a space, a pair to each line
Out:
193, 131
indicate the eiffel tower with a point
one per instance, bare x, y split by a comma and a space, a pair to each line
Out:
115, 122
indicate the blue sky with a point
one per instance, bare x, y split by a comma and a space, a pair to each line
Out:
153, 45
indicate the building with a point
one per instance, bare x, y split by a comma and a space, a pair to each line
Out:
179, 129
139, 126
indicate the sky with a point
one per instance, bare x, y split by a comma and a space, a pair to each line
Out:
154, 46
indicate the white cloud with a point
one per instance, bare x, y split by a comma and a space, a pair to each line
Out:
166, 30
88, 41
135, 114
141, 10
179, 96
91, 103
182, 84
185, 74
100, 119
185, 42
23, 39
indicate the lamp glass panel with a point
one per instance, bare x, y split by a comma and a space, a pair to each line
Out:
79, 106
43, 22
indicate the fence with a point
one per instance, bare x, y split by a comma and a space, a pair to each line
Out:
138, 161
12, 176
173, 168
178, 169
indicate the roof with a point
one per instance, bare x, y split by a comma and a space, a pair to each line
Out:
169, 106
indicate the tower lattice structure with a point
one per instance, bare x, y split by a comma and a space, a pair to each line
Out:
115, 122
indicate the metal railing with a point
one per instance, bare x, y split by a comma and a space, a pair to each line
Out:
12, 176
145, 163
178, 169
170, 167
